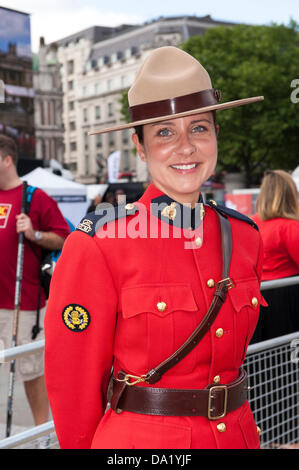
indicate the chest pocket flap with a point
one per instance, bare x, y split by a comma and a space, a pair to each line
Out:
246, 293
158, 299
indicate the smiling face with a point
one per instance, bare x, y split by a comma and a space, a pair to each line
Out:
181, 154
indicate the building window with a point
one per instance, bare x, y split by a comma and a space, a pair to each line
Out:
110, 109
104, 60
71, 105
111, 138
97, 112
125, 136
49, 113
54, 116
71, 84
73, 146
42, 114
86, 164
73, 125
72, 166
126, 160
70, 67
85, 114
86, 140
99, 140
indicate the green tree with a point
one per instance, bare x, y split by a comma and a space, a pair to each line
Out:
246, 61
124, 106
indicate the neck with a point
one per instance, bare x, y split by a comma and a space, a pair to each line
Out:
9, 181
188, 198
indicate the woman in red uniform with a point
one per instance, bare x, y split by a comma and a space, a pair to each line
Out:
278, 220
134, 283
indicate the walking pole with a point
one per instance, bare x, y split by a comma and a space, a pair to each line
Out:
17, 301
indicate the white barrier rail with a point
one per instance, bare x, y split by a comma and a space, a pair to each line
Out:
13, 353
27, 436
287, 281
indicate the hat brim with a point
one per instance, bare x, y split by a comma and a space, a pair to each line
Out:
206, 109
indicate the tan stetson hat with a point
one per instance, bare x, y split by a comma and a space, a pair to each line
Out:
170, 84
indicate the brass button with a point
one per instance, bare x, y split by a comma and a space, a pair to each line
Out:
254, 301
198, 241
211, 283
258, 430
216, 379
213, 202
219, 332
161, 306
129, 207
221, 427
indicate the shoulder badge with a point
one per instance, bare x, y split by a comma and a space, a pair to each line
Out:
226, 211
75, 317
104, 214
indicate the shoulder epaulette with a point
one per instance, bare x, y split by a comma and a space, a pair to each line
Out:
104, 214
226, 211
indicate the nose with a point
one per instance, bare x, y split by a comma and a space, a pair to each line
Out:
184, 145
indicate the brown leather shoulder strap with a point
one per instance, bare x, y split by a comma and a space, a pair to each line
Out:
218, 299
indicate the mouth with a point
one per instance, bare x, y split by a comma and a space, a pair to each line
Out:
184, 167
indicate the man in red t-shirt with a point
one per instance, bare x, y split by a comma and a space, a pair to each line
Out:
44, 227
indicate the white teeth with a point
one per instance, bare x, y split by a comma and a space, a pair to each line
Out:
184, 167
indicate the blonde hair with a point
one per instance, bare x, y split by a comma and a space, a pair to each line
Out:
278, 196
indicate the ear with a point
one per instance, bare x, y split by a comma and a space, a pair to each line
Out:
7, 161
139, 147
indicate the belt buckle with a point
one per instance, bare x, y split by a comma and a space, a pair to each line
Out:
127, 378
210, 409
228, 282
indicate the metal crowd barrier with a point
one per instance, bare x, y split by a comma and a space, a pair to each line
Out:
273, 374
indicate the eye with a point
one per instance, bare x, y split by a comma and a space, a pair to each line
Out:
199, 128
165, 132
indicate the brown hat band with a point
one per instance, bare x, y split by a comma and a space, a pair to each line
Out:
176, 105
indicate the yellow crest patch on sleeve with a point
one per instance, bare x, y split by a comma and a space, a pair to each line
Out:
75, 317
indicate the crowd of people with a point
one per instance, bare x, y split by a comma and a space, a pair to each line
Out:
131, 305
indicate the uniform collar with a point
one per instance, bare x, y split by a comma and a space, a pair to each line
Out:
172, 212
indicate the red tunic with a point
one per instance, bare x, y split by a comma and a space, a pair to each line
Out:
281, 247
117, 283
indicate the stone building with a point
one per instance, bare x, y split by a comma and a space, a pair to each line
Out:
48, 102
97, 66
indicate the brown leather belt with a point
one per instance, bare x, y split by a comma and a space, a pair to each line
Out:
213, 402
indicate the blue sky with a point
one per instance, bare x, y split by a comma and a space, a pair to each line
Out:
55, 19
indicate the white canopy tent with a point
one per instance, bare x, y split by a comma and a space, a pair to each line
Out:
94, 190
71, 196
295, 176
